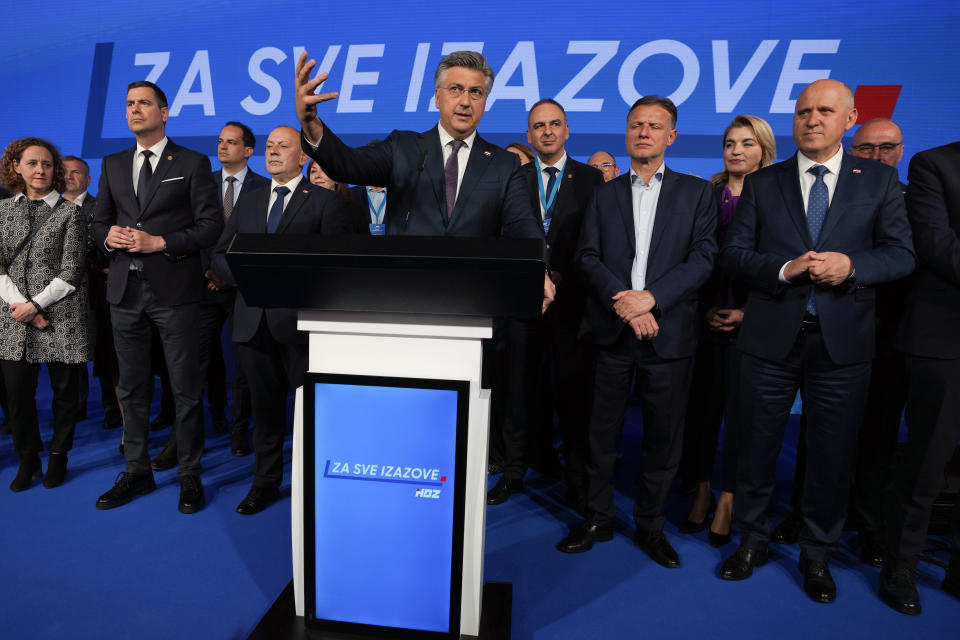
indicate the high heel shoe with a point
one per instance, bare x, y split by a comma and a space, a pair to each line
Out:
689, 526
719, 539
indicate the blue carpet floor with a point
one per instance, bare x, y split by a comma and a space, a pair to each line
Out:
146, 571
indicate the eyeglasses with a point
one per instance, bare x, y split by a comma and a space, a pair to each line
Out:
455, 91
603, 165
885, 147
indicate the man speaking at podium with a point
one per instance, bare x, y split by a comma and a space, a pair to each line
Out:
447, 181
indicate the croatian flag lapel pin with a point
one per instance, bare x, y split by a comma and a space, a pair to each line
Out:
856, 169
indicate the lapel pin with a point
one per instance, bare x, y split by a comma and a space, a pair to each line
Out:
569, 176
856, 170
169, 157
487, 153
305, 191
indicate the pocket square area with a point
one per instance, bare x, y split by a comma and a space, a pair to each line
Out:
172, 179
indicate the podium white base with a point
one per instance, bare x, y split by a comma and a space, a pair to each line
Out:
408, 346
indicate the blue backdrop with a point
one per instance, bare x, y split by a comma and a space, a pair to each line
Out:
65, 68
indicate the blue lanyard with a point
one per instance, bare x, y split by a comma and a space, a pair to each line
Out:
546, 199
376, 212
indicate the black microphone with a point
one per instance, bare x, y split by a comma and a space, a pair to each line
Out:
416, 186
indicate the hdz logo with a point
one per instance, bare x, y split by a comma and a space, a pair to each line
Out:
433, 494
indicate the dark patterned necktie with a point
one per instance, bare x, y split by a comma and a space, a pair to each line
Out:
228, 198
143, 181
817, 206
450, 172
276, 211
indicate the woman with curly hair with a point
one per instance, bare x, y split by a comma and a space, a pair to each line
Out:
43, 303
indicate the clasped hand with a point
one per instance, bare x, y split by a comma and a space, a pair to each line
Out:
828, 268
133, 240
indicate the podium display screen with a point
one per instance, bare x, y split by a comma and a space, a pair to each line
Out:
384, 499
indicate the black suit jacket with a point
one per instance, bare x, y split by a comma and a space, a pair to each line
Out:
683, 248
931, 317
866, 220
576, 188
492, 200
180, 205
311, 210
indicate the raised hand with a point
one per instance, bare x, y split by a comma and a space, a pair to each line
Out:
307, 100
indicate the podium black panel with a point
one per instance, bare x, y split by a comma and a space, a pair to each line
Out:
392, 274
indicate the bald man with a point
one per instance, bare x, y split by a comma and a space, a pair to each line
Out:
606, 163
813, 237
878, 139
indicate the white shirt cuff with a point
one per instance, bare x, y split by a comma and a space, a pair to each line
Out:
9, 292
783, 278
54, 292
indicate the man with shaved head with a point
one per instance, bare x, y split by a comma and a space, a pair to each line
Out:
606, 163
879, 139
813, 237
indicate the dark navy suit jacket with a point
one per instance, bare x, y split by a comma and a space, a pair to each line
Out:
180, 205
311, 210
931, 313
683, 247
492, 200
866, 220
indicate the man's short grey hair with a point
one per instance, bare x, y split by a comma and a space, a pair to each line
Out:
466, 59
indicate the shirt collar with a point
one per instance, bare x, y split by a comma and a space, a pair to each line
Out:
239, 175
832, 165
375, 192
51, 198
79, 199
292, 185
445, 137
657, 175
558, 164
156, 150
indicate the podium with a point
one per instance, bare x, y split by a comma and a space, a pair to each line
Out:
391, 425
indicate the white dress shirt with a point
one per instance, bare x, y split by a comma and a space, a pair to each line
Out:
462, 156
157, 151
645, 198
559, 164
806, 183
286, 199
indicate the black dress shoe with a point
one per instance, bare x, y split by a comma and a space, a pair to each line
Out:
258, 499
740, 565
788, 531
127, 486
689, 526
658, 548
28, 470
899, 591
871, 548
238, 444
951, 581
112, 418
56, 470
162, 421
502, 491
817, 581
191, 494
166, 459
584, 536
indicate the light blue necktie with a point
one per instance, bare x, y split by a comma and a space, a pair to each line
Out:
816, 213
276, 211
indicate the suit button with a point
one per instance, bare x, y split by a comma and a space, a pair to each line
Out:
139, 224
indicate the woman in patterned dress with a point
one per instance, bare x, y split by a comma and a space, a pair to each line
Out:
43, 306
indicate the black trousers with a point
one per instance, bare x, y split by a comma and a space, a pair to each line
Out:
933, 428
216, 311
714, 400
21, 381
552, 371
834, 397
662, 386
273, 369
133, 320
